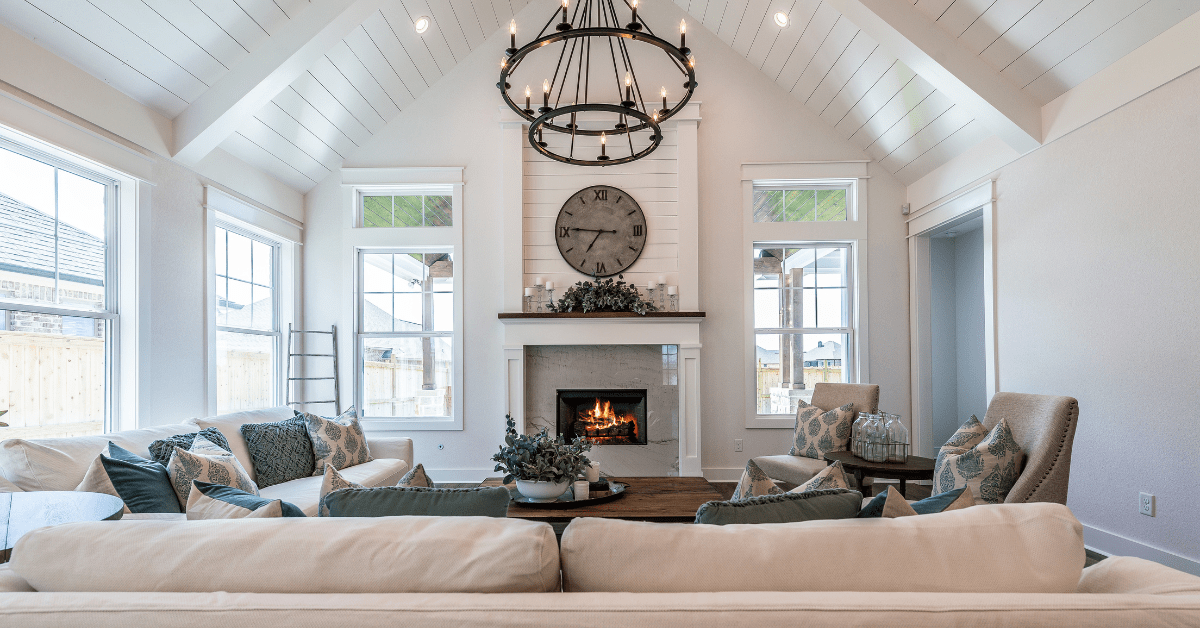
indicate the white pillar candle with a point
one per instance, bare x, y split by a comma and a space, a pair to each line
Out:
539, 281
652, 285
671, 290
529, 292
593, 472
549, 285
580, 488
662, 279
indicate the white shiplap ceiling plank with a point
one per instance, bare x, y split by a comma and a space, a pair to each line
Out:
827, 55
472, 22
401, 15
863, 79
1146, 23
714, 14
304, 139
847, 113
801, 55
61, 40
753, 24
782, 47
1033, 27
1089, 23
933, 8
234, 21
943, 125
913, 124
881, 118
953, 146
316, 95
246, 150
96, 26
493, 15
264, 13
347, 94
411, 61
847, 66
365, 83
447, 26
291, 8
994, 23
365, 50
171, 41
962, 14
292, 104
196, 26
284, 148
731, 20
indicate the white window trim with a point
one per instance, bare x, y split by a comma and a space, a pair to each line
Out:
852, 232
359, 181
286, 280
122, 276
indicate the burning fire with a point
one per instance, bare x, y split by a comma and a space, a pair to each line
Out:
602, 422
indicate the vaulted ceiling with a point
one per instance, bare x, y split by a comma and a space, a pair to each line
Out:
883, 75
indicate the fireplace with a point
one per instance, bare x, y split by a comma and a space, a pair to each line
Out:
603, 416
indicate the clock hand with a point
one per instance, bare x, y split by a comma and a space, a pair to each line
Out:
599, 233
594, 230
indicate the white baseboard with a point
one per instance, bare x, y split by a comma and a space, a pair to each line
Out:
719, 474
462, 475
1111, 544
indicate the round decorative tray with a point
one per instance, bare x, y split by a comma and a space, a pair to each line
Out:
598, 493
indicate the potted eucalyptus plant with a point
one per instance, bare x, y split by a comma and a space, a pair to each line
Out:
543, 466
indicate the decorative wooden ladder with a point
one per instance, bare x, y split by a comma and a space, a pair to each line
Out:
292, 347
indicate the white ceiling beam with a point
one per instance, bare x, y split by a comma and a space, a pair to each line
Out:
258, 78
922, 45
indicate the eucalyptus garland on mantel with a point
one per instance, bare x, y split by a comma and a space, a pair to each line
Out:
602, 295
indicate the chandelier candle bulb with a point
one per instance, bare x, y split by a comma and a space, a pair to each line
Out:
635, 5
682, 34
527, 94
663, 92
512, 34
546, 91
628, 82
565, 3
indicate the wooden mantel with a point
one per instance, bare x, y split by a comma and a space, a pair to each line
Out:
560, 315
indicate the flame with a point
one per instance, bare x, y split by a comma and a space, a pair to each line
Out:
601, 416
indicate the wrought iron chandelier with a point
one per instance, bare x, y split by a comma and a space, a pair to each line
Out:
615, 112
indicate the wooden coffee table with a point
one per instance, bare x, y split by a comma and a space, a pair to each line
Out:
917, 468
22, 512
666, 500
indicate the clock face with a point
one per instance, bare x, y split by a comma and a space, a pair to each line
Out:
600, 231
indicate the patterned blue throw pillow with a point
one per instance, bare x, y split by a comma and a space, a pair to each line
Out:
280, 451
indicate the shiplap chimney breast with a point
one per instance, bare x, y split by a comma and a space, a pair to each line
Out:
664, 184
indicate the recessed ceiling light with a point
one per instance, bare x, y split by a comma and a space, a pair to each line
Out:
422, 24
781, 18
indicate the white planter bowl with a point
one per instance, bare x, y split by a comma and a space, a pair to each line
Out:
542, 491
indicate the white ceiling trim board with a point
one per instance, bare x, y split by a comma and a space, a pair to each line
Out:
937, 56
253, 82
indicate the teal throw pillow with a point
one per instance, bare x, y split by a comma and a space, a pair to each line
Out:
950, 500
142, 484
388, 501
216, 501
835, 503
280, 451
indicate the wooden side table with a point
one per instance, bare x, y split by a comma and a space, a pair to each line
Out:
917, 468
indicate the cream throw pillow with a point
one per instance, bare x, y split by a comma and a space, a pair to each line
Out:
416, 477
339, 441
819, 432
208, 463
332, 481
754, 483
833, 476
989, 467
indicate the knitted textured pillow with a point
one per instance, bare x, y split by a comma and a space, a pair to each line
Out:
161, 450
280, 451
339, 441
819, 432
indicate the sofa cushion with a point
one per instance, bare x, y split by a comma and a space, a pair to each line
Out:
783, 508
388, 501
208, 463
1014, 548
214, 501
59, 464
305, 491
230, 426
161, 449
819, 432
990, 467
280, 451
318, 555
143, 485
339, 441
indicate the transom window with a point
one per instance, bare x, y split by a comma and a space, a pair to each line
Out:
802, 328
248, 335
58, 315
798, 202
406, 337
429, 209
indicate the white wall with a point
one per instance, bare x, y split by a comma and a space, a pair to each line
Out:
1098, 274
746, 117
969, 362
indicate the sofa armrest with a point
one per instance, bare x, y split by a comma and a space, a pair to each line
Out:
1137, 576
10, 582
391, 447
8, 487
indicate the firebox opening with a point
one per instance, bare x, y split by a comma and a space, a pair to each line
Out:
603, 417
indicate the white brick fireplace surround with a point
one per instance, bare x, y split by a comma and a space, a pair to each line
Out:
665, 184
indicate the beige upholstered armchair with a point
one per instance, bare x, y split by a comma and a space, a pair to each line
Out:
798, 469
1044, 427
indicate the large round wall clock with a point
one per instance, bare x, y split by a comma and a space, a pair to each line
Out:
600, 231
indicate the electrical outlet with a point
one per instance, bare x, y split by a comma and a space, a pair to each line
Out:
1146, 504
737, 444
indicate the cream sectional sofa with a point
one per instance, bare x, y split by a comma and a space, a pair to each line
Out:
59, 464
1004, 565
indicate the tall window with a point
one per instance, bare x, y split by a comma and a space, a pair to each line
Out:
58, 315
802, 328
248, 335
406, 339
